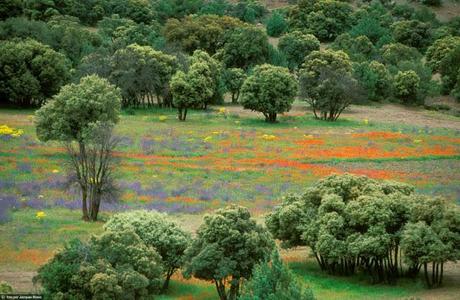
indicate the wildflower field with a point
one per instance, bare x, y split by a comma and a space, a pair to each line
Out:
213, 159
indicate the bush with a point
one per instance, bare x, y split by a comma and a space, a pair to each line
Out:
326, 83
30, 72
358, 48
371, 28
412, 33
5, 288
326, 19
274, 281
276, 24
158, 232
375, 78
394, 53
449, 67
115, 265
228, 244
439, 50
269, 90
296, 46
406, 86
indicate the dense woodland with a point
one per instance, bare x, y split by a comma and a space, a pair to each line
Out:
80, 63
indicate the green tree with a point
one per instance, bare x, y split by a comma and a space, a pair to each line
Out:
82, 117
10, 9
276, 24
30, 72
296, 46
142, 73
456, 90
114, 265
158, 231
233, 80
326, 83
394, 53
270, 90
439, 50
326, 19
227, 246
244, 47
274, 281
406, 85
358, 48
375, 78
412, 33
449, 67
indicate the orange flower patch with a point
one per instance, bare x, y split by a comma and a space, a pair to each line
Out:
309, 142
34, 256
380, 135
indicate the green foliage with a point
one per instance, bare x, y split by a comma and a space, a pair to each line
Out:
115, 265
439, 50
248, 10
276, 24
244, 47
394, 53
10, 9
204, 32
142, 72
350, 223
412, 33
427, 86
456, 90
326, 83
326, 19
139, 11
406, 85
30, 72
296, 46
370, 27
157, 231
432, 237
431, 2
227, 246
449, 67
358, 48
233, 80
375, 78
274, 281
5, 288
269, 90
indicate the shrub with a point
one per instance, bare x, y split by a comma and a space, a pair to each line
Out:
375, 78
5, 288
276, 24
394, 53
326, 83
228, 245
326, 19
30, 72
449, 67
406, 86
274, 280
456, 90
371, 28
296, 46
233, 80
158, 232
269, 90
439, 50
115, 265
358, 48
412, 33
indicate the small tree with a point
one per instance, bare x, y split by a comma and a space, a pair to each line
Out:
157, 231
191, 89
82, 117
296, 46
406, 86
326, 83
273, 281
269, 90
394, 53
412, 33
276, 24
375, 78
439, 50
233, 80
227, 247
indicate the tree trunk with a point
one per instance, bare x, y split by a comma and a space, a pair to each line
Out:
84, 204
165, 286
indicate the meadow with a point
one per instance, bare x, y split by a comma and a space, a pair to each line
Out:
215, 158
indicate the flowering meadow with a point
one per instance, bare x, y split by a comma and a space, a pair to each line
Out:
211, 160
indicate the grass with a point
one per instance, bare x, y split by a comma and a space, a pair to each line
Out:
211, 160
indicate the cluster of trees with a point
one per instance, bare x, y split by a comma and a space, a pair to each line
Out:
139, 251
382, 229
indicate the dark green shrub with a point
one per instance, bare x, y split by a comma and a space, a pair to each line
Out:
276, 24
412, 33
296, 46
375, 78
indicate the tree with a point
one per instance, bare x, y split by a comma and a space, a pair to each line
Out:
349, 222
10, 9
269, 90
406, 86
375, 78
439, 50
139, 11
273, 281
244, 47
358, 48
233, 80
326, 83
432, 237
276, 25
30, 72
142, 73
204, 32
114, 265
82, 117
296, 46
412, 33
191, 89
326, 19
456, 90
227, 247
394, 53
449, 67
157, 231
